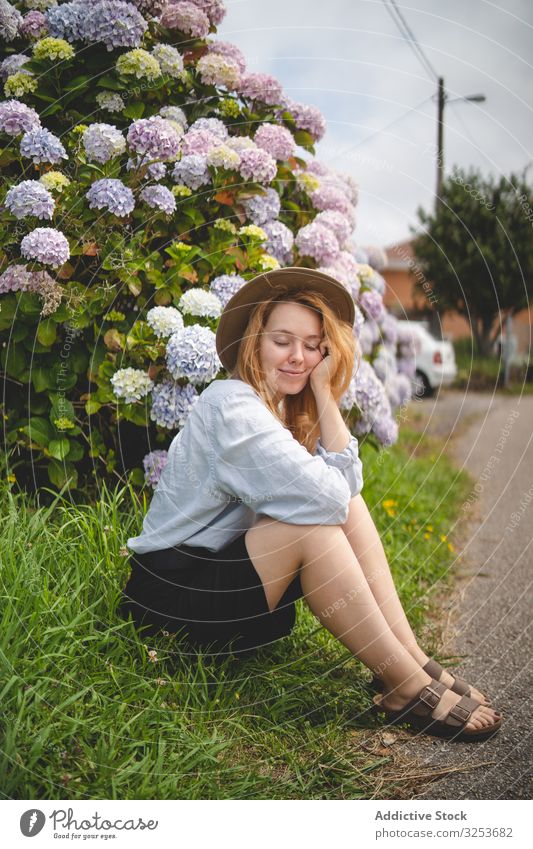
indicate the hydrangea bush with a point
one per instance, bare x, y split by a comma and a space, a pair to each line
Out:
146, 176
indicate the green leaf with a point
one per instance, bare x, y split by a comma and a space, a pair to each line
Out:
13, 359
76, 452
39, 430
110, 82
92, 406
59, 473
47, 332
78, 82
136, 477
40, 377
134, 110
59, 448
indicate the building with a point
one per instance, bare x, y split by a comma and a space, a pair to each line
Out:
402, 273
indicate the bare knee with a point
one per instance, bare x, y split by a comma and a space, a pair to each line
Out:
278, 549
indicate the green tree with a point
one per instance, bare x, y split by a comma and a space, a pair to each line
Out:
477, 250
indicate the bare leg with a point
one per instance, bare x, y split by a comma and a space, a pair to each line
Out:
367, 547
338, 593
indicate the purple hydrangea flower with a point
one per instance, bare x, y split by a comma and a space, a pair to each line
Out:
225, 286
16, 117
10, 21
154, 138
367, 392
318, 168
103, 142
386, 429
372, 304
407, 366
112, 195
67, 21
213, 125
30, 198
187, 18
192, 354
280, 241
262, 208
261, 87
329, 197
46, 245
154, 463
276, 140
34, 25
308, 118
155, 171
258, 166
16, 278
159, 197
42, 146
172, 403
318, 242
336, 222
12, 64
192, 171
214, 9
115, 23
389, 330
199, 142
229, 50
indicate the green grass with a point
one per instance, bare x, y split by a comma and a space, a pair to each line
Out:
475, 372
85, 712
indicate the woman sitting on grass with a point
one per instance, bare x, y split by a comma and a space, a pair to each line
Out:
259, 504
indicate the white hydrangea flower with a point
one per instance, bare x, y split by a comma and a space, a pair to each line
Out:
131, 384
110, 101
223, 157
199, 302
164, 321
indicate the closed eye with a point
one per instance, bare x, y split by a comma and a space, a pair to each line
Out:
284, 344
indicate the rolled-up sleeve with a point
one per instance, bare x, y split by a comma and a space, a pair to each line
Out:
257, 460
347, 461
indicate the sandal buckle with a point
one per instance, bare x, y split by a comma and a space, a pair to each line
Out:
429, 697
460, 713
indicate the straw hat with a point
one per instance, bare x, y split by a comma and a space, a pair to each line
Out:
234, 318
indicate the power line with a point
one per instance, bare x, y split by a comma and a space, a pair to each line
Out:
391, 124
409, 36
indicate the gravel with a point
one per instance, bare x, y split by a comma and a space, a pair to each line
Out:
490, 623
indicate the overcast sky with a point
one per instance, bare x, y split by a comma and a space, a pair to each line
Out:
348, 58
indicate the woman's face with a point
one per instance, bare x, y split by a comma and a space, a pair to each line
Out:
289, 347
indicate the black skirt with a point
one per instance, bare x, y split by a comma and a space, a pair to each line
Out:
212, 599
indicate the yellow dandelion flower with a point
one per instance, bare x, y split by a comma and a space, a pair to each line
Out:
450, 546
429, 528
427, 536
390, 502
443, 537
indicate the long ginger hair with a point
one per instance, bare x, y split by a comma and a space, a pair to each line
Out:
298, 412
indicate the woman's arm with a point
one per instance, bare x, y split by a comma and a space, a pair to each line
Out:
334, 435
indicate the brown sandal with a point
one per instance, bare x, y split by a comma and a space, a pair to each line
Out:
418, 714
435, 670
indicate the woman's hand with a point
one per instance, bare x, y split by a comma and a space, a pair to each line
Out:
323, 373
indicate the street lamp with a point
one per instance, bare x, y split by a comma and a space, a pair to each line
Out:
441, 100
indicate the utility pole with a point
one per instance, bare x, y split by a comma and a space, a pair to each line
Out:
441, 99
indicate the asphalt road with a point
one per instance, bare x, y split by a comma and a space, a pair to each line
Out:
490, 616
